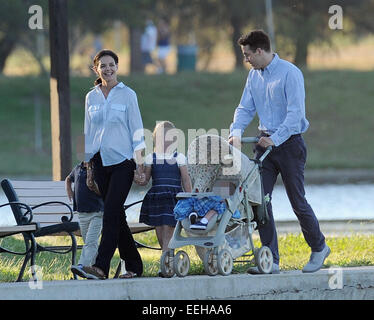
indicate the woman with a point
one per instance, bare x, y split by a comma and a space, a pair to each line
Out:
114, 142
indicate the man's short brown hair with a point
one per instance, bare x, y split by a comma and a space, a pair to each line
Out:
255, 39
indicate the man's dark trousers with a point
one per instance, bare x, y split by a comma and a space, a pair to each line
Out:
288, 160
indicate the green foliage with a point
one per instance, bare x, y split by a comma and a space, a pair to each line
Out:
338, 107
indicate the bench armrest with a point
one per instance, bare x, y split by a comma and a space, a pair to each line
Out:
25, 219
126, 206
63, 218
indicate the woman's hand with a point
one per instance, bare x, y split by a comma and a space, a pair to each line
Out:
139, 175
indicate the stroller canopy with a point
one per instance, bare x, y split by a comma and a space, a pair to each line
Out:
210, 157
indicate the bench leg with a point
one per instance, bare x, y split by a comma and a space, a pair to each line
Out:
20, 275
73, 252
30, 254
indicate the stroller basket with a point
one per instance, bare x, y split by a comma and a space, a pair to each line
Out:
237, 240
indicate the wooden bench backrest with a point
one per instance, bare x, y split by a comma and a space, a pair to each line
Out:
37, 192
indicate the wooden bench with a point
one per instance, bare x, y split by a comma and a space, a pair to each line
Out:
27, 229
45, 203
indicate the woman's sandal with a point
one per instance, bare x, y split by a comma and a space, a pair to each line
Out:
128, 275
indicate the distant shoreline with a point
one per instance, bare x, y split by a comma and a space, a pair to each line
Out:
312, 176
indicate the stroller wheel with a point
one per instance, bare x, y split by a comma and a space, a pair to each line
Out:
166, 264
264, 260
210, 263
181, 264
225, 262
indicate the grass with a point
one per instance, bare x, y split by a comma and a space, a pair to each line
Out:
338, 106
346, 251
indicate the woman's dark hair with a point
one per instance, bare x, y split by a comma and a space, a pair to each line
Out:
255, 39
99, 55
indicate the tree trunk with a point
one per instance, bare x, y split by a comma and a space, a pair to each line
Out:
6, 47
236, 34
60, 90
136, 64
301, 55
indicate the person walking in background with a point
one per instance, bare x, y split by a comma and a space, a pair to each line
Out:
148, 43
275, 91
89, 207
168, 170
163, 43
114, 141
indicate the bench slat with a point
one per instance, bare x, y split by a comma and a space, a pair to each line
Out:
9, 230
51, 210
37, 192
19, 184
52, 218
32, 201
55, 192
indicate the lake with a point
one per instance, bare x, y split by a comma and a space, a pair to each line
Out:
329, 202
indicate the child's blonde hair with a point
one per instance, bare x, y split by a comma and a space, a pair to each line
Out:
165, 126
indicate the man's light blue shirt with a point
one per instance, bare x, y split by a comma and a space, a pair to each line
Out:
113, 125
277, 95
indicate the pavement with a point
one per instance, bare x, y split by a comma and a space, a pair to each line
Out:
333, 283
331, 228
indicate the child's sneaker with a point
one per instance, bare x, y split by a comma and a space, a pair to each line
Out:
199, 226
192, 217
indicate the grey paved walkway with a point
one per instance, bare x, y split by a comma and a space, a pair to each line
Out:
347, 283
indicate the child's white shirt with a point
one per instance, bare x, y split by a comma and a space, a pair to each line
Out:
181, 158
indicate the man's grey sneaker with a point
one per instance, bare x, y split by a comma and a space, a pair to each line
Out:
254, 270
199, 226
316, 260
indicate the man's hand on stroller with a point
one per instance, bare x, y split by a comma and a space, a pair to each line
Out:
265, 142
235, 142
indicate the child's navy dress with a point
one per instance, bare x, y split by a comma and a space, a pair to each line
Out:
159, 202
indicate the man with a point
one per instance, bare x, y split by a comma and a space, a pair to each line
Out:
275, 91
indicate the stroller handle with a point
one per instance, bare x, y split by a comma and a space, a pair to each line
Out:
249, 140
255, 140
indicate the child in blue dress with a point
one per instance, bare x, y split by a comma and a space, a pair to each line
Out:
168, 170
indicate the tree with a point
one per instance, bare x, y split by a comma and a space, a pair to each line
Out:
209, 18
13, 21
303, 22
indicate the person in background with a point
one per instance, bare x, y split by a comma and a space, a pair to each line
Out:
89, 207
163, 43
114, 142
148, 43
275, 91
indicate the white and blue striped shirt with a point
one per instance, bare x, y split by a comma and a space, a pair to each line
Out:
113, 125
277, 95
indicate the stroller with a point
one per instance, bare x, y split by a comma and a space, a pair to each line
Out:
217, 168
